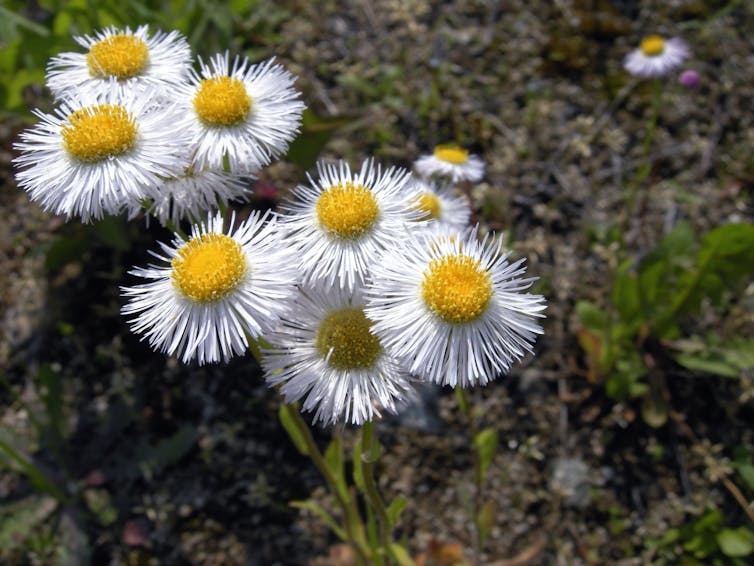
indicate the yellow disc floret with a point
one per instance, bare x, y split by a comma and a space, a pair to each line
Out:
347, 210
456, 288
222, 101
345, 335
121, 56
429, 205
452, 154
98, 132
652, 45
208, 267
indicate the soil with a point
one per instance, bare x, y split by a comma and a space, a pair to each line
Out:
174, 464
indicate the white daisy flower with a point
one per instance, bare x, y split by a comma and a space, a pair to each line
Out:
343, 221
245, 114
656, 56
451, 162
133, 60
191, 195
97, 154
215, 291
440, 203
326, 354
451, 308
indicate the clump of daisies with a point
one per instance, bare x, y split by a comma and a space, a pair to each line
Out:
137, 127
368, 280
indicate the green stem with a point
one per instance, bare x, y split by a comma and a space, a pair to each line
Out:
352, 520
466, 409
37, 478
373, 494
646, 166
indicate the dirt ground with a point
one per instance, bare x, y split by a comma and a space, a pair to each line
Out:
189, 465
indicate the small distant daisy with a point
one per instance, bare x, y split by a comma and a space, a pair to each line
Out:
344, 220
133, 60
214, 291
245, 114
451, 309
439, 203
656, 56
191, 195
450, 162
96, 155
326, 354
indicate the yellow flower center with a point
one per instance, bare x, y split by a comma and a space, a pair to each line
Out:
429, 204
222, 101
456, 288
98, 132
121, 56
208, 267
452, 154
652, 45
346, 333
347, 210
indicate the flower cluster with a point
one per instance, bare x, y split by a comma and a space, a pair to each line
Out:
136, 124
367, 281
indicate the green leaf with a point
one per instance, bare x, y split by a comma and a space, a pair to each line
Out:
153, 459
19, 520
485, 444
358, 470
728, 359
625, 382
315, 133
485, 521
334, 459
286, 419
65, 249
52, 396
23, 464
625, 295
371, 448
328, 519
396, 507
112, 231
593, 317
736, 542
99, 503
400, 555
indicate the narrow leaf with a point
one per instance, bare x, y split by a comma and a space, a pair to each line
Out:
286, 419
400, 555
396, 507
485, 521
485, 443
328, 519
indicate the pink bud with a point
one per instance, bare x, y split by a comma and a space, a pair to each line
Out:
689, 78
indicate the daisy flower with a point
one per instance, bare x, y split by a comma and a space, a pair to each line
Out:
245, 114
191, 195
451, 308
215, 291
451, 162
439, 203
134, 60
325, 353
656, 56
342, 221
97, 154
